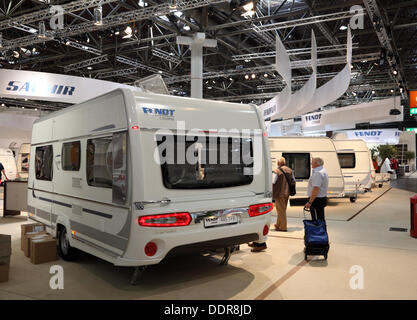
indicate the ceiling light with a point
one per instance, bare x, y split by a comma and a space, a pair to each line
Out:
36, 109
231, 79
178, 13
247, 77
142, 3
128, 32
247, 60
253, 76
159, 71
172, 4
354, 93
67, 42
395, 72
117, 33
373, 91
90, 68
209, 88
248, 6
187, 28
343, 28
266, 75
16, 54
3, 105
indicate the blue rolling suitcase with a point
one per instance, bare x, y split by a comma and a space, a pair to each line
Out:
316, 240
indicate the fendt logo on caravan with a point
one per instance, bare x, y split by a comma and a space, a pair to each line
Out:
29, 87
315, 117
167, 114
368, 133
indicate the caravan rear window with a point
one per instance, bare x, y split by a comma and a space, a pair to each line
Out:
71, 154
43, 163
299, 163
215, 162
347, 160
100, 162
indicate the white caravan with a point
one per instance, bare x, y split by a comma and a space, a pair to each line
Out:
9, 164
356, 166
298, 152
23, 160
98, 178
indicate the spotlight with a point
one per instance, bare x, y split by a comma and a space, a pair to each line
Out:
42, 30
253, 76
187, 28
247, 77
98, 16
373, 91
343, 28
128, 32
395, 72
266, 75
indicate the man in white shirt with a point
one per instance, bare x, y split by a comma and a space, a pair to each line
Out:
317, 188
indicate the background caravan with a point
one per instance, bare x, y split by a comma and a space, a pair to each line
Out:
23, 160
98, 180
9, 164
356, 167
298, 152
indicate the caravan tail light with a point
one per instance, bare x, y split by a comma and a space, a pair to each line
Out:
260, 209
266, 230
179, 219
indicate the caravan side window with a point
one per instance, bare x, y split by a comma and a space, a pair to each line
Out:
347, 160
71, 155
299, 163
100, 162
43, 163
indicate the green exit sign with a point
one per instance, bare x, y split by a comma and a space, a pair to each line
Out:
412, 129
413, 111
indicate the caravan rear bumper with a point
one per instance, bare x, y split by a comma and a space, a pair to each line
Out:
203, 246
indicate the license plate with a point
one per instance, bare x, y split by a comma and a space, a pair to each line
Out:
210, 222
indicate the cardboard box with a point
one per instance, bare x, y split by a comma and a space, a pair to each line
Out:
28, 236
30, 227
5, 245
43, 250
4, 272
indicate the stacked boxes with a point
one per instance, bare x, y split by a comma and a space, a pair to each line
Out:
37, 244
5, 252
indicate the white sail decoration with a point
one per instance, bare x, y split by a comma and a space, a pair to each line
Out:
334, 88
302, 97
278, 103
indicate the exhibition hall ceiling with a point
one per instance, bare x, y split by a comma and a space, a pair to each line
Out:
129, 40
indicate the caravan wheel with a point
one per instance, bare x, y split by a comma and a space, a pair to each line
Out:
67, 252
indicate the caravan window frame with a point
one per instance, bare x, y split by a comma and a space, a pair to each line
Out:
71, 143
305, 154
39, 166
348, 154
88, 166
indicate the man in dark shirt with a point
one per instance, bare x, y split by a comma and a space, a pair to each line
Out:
2, 171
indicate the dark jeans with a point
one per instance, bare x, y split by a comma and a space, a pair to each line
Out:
319, 204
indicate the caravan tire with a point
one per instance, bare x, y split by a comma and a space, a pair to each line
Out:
67, 252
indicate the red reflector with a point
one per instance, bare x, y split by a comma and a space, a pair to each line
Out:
266, 230
179, 219
150, 249
260, 209
135, 127
265, 134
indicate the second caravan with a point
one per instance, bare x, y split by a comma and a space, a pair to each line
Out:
356, 166
298, 152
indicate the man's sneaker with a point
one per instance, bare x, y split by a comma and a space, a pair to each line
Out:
258, 249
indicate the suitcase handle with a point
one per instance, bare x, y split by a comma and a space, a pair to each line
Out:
312, 211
